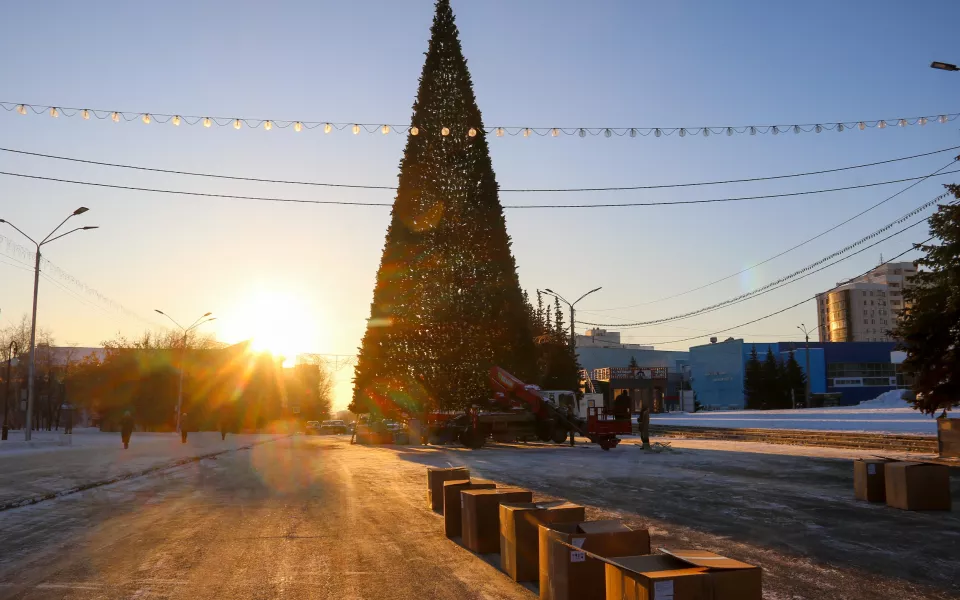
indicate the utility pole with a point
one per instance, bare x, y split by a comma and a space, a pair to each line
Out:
806, 334
33, 322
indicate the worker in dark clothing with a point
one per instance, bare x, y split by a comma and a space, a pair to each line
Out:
126, 428
643, 420
621, 406
223, 426
183, 428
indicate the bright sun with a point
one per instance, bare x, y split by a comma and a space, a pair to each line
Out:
278, 323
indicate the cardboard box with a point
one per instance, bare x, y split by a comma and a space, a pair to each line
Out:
520, 535
452, 515
566, 574
682, 575
868, 480
480, 522
435, 478
917, 486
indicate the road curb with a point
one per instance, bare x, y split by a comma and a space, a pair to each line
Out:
94, 484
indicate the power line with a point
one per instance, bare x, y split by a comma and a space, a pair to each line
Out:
514, 206
502, 190
804, 301
469, 130
772, 286
788, 250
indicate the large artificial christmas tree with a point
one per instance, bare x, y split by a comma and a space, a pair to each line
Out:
447, 303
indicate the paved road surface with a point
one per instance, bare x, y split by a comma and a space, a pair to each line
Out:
295, 518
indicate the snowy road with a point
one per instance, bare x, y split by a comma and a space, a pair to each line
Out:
899, 420
316, 517
296, 518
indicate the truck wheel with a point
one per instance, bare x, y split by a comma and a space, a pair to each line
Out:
545, 431
559, 436
472, 438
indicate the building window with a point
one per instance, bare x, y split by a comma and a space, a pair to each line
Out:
864, 321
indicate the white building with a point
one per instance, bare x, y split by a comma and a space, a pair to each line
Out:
864, 309
601, 338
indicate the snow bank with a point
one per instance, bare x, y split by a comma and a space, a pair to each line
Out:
888, 399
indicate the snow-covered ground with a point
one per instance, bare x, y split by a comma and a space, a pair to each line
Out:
885, 414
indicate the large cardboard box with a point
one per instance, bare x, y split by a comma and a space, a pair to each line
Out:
917, 486
568, 574
435, 478
452, 515
868, 480
682, 575
520, 535
481, 516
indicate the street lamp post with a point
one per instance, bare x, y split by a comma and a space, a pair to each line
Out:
573, 334
6, 394
33, 321
944, 66
806, 334
183, 352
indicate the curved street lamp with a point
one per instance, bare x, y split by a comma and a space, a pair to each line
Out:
33, 321
183, 351
573, 334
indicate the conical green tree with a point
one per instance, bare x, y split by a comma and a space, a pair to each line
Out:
447, 303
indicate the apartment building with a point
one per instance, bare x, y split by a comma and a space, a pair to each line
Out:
864, 309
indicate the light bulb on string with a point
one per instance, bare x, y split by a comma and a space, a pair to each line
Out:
115, 117
796, 129
775, 130
607, 133
818, 128
706, 132
175, 120
881, 124
472, 132
237, 124
268, 125
207, 122
22, 109
414, 131
922, 121
327, 128
526, 132
729, 131
445, 131
902, 122
54, 112
943, 118
554, 132
861, 125
583, 133
753, 130
298, 126
385, 129
683, 132
146, 119
85, 114
499, 131
840, 127
633, 133
356, 129
656, 132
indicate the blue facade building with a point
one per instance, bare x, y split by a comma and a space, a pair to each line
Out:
857, 370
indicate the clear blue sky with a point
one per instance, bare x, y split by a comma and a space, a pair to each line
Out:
537, 62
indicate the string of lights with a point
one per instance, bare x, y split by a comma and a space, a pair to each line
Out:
796, 275
792, 306
787, 251
506, 206
469, 130
502, 190
26, 257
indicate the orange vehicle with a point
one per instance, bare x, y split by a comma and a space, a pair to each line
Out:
518, 412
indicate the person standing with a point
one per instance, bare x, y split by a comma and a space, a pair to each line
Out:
183, 428
223, 426
643, 420
621, 406
126, 428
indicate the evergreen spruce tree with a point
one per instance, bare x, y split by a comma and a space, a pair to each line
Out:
447, 304
929, 326
633, 362
752, 380
771, 385
795, 382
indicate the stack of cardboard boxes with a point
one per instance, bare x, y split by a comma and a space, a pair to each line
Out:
576, 559
903, 485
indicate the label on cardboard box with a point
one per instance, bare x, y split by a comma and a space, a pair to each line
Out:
871, 469
577, 556
663, 590
578, 542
